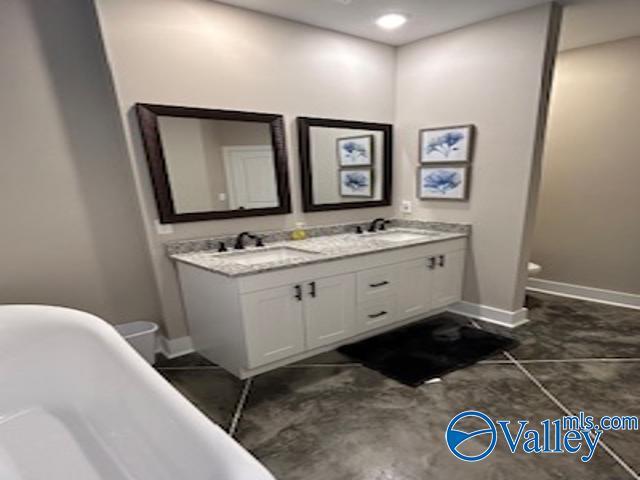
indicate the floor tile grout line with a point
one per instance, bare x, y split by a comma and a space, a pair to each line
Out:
240, 406
557, 360
481, 362
537, 383
494, 362
323, 365
583, 359
567, 360
560, 405
194, 367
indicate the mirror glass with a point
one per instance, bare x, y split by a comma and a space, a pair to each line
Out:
216, 165
344, 164
208, 164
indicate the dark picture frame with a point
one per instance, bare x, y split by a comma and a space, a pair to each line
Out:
346, 170
458, 166
148, 121
471, 131
372, 153
304, 125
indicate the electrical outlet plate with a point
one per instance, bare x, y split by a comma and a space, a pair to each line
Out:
407, 206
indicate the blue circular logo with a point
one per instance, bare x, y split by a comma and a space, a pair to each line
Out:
456, 437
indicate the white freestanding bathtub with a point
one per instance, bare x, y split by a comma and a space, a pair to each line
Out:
78, 403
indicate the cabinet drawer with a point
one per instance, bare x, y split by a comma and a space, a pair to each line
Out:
376, 282
376, 313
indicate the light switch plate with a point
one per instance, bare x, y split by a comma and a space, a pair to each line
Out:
406, 207
163, 228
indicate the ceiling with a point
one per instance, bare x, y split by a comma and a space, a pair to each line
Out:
586, 21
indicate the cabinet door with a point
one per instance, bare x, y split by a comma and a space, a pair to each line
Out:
329, 309
447, 279
273, 324
414, 288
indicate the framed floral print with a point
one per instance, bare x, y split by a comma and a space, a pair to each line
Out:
446, 144
443, 183
355, 151
356, 182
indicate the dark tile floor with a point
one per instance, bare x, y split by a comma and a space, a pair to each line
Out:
331, 419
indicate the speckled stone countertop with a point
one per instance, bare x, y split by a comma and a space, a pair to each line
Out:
323, 245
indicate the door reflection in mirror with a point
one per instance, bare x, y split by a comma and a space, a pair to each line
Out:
218, 164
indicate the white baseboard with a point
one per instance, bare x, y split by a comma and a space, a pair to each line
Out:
174, 347
610, 297
485, 313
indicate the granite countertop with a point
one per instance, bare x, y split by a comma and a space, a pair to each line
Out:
334, 245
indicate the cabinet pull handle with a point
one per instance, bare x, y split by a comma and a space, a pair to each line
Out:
441, 258
432, 263
298, 290
379, 314
312, 289
379, 284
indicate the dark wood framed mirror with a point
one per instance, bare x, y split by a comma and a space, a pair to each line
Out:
344, 164
214, 164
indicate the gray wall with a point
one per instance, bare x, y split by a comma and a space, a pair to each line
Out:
588, 226
72, 233
216, 56
489, 74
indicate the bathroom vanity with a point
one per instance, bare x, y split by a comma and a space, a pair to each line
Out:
256, 309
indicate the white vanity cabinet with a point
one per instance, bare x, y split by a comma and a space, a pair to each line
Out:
256, 322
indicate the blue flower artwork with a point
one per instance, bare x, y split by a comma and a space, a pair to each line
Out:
355, 151
355, 183
443, 183
445, 145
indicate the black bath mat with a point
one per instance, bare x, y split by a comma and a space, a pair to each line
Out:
429, 349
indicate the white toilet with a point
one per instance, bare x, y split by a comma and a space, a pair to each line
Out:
534, 269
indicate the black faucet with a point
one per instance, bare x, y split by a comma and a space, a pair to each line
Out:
381, 221
239, 245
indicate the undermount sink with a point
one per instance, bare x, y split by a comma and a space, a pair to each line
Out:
269, 255
401, 236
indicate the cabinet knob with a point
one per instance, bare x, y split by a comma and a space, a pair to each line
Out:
298, 290
379, 314
379, 284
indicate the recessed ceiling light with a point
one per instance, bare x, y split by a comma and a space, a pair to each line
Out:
391, 21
